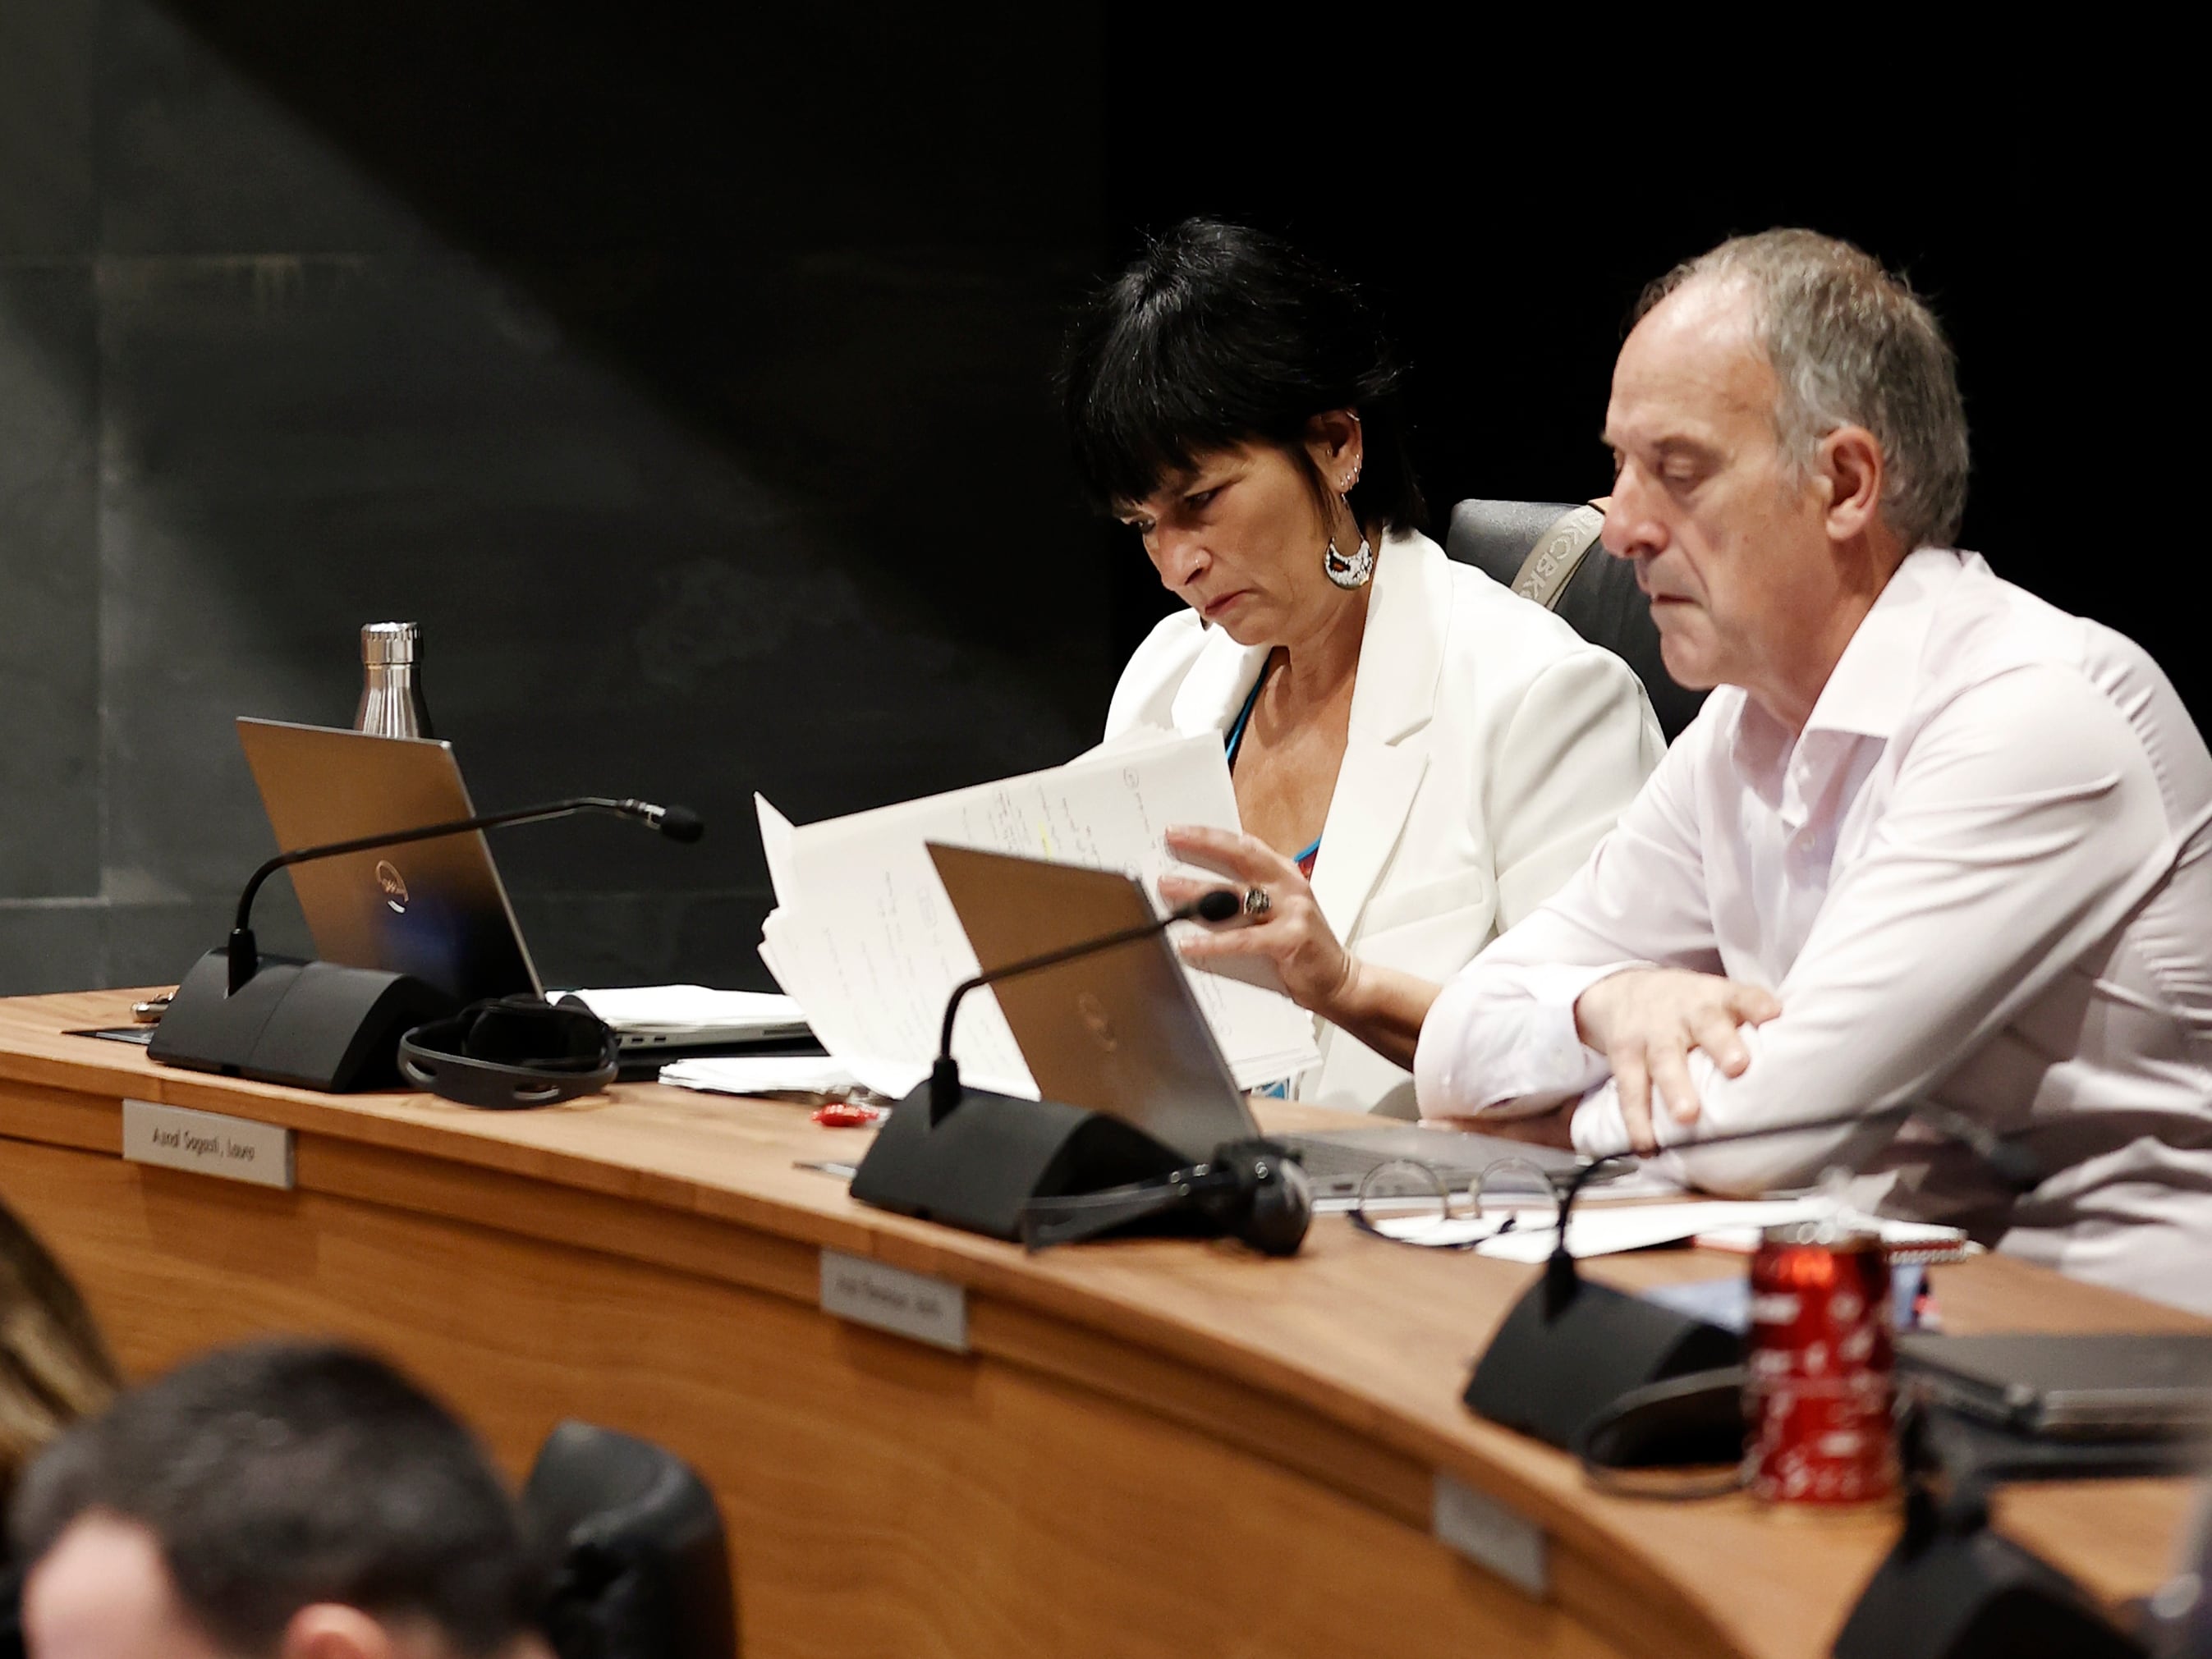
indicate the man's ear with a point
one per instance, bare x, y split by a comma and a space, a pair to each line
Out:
330, 1630
1850, 464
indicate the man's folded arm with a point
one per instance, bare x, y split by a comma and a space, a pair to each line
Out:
2025, 825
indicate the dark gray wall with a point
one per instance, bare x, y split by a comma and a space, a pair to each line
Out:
687, 383
683, 370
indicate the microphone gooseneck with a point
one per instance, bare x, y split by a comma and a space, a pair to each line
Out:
677, 823
1218, 905
1561, 1281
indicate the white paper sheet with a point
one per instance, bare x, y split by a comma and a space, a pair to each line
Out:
693, 1007
867, 942
757, 1074
1637, 1227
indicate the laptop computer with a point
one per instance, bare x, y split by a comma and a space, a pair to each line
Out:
437, 909
2102, 1386
1120, 1032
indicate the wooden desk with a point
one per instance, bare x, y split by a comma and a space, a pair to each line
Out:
1151, 1447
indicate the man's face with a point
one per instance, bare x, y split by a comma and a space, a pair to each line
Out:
103, 1592
1729, 543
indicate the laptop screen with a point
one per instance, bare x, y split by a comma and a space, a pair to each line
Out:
1118, 1031
432, 908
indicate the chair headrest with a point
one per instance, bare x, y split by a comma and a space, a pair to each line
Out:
1598, 599
1494, 537
644, 1565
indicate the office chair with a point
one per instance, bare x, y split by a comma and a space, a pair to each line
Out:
1593, 593
643, 1568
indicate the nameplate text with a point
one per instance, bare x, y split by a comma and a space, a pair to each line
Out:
931, 1311
1490, 1535
207, 1143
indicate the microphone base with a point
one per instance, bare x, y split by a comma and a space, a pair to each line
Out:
979, 1166
1966, 1593
311, 1024
1548, 1374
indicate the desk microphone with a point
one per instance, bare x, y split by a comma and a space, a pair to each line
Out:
320, 1024
1569, 1348
1950, 1589
1220, 905
678, 823
973, 1158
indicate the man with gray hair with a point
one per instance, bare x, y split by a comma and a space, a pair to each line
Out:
1932, 841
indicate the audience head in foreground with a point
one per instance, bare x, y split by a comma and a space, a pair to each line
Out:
54, 1368
1932, 841
1235, 403
279, 1499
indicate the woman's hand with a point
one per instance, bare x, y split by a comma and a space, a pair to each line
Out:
1292, 933
1383, 1007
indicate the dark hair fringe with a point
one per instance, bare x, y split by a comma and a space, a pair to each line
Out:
1218, 335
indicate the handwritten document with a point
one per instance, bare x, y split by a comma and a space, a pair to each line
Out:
865, 940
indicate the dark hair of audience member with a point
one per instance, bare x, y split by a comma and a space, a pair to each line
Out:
277, 1476
1220, 336
54, 1368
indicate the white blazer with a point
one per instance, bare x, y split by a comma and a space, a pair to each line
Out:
1490, 748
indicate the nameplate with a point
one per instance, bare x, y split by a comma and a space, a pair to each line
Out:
1489, 1534
207, 1143
931, 1311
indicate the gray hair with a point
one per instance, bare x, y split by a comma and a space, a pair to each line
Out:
1853, 345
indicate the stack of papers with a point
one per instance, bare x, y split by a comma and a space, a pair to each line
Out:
865, 942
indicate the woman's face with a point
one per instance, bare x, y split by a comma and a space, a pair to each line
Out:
1239, 537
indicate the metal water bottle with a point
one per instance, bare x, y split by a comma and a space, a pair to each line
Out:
392, 704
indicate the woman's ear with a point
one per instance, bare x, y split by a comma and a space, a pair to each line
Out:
1334, 443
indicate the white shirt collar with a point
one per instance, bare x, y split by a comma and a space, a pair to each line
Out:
1870, 689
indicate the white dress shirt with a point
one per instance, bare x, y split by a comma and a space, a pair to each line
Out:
1489, 749
1978, 877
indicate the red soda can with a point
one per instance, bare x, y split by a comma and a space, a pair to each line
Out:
1820, 1401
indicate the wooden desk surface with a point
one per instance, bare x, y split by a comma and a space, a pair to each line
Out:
1153, 1446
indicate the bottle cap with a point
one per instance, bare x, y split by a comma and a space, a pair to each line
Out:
385, 643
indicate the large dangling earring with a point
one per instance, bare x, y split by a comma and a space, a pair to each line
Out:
1354, 570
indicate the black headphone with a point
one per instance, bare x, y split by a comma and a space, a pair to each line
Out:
1253, 1190
511, 1052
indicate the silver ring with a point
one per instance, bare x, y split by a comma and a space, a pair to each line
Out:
1257, 903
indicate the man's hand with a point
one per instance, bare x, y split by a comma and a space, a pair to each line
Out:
1645, 1021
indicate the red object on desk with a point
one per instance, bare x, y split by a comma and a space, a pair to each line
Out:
1821, 1366
848, 1115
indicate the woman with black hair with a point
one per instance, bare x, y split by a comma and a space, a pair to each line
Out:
1420, 757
